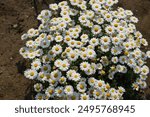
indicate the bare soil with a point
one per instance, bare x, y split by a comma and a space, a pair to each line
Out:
16, 17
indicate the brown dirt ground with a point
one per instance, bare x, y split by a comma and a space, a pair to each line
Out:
13, 85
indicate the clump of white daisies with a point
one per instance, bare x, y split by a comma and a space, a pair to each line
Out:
81, 48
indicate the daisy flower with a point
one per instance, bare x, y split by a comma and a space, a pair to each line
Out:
36, 64
23, 50
59, 91
66, 19
91, 81
58, 62
83, 7
109, 2
134, 19
69, 74
75, 77
105, 48
144, 42
83, 18
144, 70
82, 87
53, 82
121, 36
114, 59
63, 3
115, 25
79, 44
62, 80
74, 96
46, 68
99, 66
100, 20
46, 59
116, 50
91, 53
90, 91
58, 38
97, 94
100, 1
45, 43
143, 77
39, 96
84, 55
74, 35
143, 85
50, 92
54, 7
121, 90
121, 15
89, 14
96, 29
31, 74
31, 55
122, 59
99, 84
46, 13
38, 87
121, 29
84, 97
68, 49
135, 86
31, 32
131, 62
84, 66
64, 66
69, 90
47, 76
24, 36
62, 25
119, 68
115, 96
94, 42
41, 76
72, 43
67, 39
84, 38
148, 54
64, 13
108, 17
116, 41
105, 40
56, 74
109, 30
72, 56
53, 28
65, 8
30, 43
140, 62
96, 7
57, 49
38, 41
89, 24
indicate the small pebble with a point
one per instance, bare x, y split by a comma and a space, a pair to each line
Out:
15, 25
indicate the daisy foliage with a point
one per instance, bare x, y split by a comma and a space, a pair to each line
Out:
86, 50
